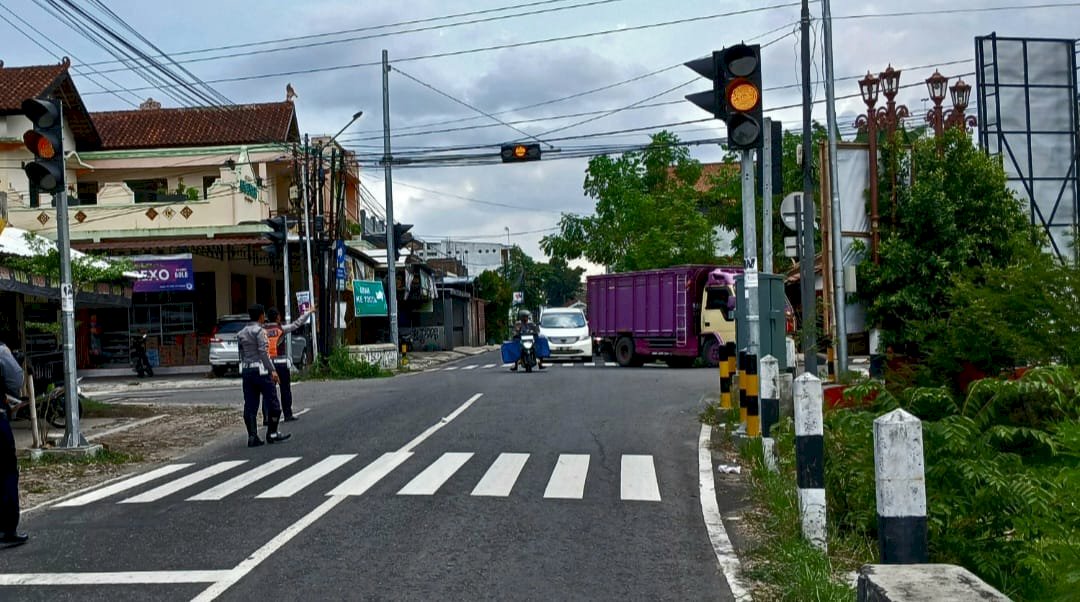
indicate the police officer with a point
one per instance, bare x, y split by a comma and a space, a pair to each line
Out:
11, 381
274, 332
260, 378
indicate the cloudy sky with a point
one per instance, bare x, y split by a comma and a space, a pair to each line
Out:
333, 69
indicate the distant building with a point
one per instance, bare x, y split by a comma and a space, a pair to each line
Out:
476, 257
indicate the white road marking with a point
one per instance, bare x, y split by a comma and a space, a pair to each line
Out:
359, 483
275, 544
124, 485
435, 476
568, 479
128, 578
302, 412
507, 365
124, 427
500, 478
472, 367
449, 368
183, 482
489, 365
714, 524
611, 364
638, 479
290, 486
243, 480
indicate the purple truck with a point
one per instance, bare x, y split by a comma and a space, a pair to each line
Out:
676, 314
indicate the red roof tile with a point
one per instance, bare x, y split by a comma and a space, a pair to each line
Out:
19, 83
198, 126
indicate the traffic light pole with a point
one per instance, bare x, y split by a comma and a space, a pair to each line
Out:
807, 277
391, 250
840, 324
767, 198
750, 274
73, 437
288, 291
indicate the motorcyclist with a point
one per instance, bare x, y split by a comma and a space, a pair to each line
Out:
525, 325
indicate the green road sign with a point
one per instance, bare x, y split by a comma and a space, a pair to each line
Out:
369, 298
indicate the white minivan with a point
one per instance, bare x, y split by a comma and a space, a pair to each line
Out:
567, 333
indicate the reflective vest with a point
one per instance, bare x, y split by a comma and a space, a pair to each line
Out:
274, 333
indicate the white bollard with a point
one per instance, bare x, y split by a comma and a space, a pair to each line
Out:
901, 488
810, 457
769, 394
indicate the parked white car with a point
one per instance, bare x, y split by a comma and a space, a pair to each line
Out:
567, 333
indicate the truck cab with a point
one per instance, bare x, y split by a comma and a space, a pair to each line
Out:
718, 304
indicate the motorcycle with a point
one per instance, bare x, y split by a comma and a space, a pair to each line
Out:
528, 351
140, 363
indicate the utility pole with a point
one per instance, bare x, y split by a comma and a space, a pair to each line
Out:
73, 436
391, 250
288, 290
750, 274
767, 198
307, 242
834, 192
808, 287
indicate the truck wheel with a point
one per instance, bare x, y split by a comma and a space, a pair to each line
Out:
624, 352
710, 352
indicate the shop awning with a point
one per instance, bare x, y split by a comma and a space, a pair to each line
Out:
88, 295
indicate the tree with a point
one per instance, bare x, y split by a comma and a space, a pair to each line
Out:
958, 216
561, 282
493, 288
647, 214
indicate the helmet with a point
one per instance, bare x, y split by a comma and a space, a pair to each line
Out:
524, 314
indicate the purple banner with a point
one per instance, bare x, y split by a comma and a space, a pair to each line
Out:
164, 273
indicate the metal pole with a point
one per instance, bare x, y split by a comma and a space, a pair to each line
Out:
807, 273
766, 200
750, 275
391, 251
307, 242
73, 436
834, 193
288, 292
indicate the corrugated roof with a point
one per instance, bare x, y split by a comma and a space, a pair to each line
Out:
198, 126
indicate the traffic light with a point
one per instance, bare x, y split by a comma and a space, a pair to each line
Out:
46, 141
736, 95
278, 235
514, 153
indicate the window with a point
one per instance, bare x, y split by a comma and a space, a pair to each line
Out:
720, 298
148, 191
552, 320
87, 193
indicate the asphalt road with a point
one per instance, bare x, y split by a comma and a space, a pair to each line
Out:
467, 482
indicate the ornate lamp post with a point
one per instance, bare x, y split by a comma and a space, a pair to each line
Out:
955, 117
893, 114
936, 85
868, 88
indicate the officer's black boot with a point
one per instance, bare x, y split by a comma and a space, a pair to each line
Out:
272, 434
252, 423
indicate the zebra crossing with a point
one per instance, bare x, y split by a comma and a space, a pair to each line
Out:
566, 480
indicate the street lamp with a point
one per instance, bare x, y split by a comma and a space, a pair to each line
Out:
936, 85
868, 88
893, 114
955, 117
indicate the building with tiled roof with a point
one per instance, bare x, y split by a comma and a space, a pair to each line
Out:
155, 127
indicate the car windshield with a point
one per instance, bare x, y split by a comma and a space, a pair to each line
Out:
562, 321
231, 327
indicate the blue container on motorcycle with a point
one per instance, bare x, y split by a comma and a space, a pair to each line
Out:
511, 352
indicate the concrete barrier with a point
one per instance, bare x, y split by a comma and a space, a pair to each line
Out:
384, 355
923, 583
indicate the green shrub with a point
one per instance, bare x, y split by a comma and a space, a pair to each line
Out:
340, 365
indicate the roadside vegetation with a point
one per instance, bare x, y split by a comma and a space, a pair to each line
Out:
340, 365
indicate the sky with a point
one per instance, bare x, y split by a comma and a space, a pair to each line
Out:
473, 85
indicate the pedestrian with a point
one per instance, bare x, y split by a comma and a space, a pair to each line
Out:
259, 379
11, 381
274, 332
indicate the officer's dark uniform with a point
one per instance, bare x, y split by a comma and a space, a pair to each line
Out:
274, 332
11, 377
255, 369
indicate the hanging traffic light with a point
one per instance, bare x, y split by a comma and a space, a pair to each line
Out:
514, 153
46, 141
278, 235
736, 95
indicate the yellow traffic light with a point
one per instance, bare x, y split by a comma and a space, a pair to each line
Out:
519, 151
743, 95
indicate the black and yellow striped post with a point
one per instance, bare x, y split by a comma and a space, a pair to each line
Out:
753, 409
831, 356
742, 386
725, 377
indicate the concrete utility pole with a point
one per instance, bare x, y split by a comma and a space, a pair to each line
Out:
807, 275
288, 291
307, 242
750, 273
839, 301
767, 198
391, 251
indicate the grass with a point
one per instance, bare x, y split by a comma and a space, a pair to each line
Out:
105, 456
785, 566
